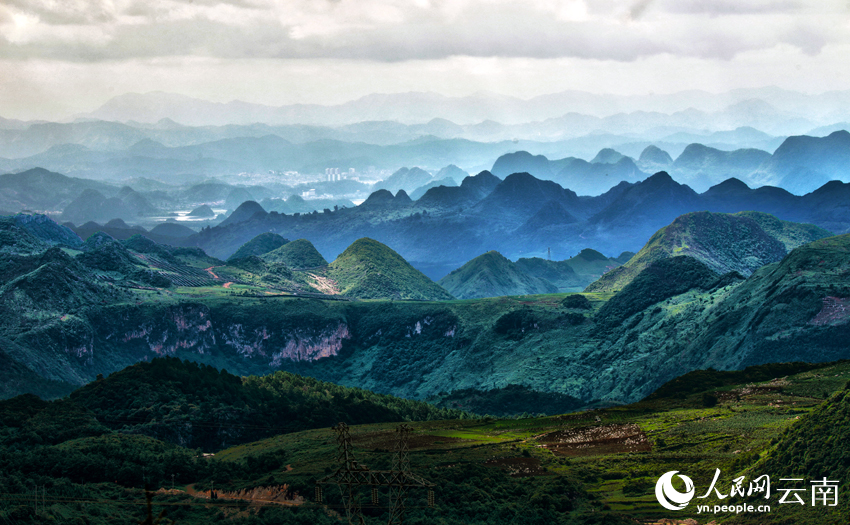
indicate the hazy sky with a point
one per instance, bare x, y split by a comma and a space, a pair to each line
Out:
58, 57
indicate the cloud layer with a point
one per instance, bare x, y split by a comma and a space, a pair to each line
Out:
399, 30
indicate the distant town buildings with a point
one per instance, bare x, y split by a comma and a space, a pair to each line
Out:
333, 174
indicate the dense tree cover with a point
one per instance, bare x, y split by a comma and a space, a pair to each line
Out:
701, 380
507, 401
817, 444
259, 245
196, 405
660, 280
299, 253
577, 301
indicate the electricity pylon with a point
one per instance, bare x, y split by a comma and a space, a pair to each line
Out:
352, 475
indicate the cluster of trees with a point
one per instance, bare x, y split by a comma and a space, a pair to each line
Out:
198, 406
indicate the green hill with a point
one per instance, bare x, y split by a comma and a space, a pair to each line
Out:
299, 253
14, 239
47, 230
723, 242
493, 275
370, 270
791, 234
815, 445
260, 245
246, 409
660, 280
102, 252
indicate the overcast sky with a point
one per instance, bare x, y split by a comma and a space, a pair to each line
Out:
59, 57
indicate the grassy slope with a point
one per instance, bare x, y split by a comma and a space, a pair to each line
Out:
299, 253
492, 275
260, 245
370, 270
723, 242
485, 471
791, 234
753, 410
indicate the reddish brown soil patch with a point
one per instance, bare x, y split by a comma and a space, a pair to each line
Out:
278, 494
596, 440
519, 467
835, 310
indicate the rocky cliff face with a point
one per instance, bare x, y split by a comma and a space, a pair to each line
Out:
200, 332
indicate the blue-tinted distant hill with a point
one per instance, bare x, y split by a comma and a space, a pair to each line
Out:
701, 167
40, 189
407, 179
523, 216
577, 175
803, 164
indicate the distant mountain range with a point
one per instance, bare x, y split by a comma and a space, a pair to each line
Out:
755, 107
523, 216
799, 165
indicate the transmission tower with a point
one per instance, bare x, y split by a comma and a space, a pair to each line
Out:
352, 475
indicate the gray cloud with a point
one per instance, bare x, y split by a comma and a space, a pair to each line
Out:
637, 9
64, 13
733, 7
366, 30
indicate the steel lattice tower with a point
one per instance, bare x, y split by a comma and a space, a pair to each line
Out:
351, 475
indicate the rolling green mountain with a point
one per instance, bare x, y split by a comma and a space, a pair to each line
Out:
724, 243
491, 275
260, 245
370, 270
102, 252
660, 280
570, 275
14, 239
299, 253
258, 317
47, 230
791, 234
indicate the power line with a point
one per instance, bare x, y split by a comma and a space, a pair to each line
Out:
352, 474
